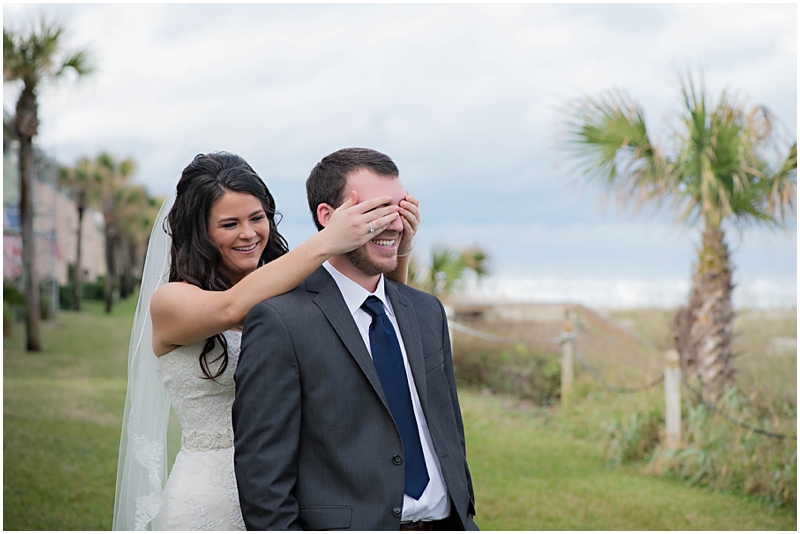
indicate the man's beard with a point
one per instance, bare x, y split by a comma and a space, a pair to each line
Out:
361, 261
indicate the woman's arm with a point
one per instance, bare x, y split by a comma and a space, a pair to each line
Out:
409, 210
184, 314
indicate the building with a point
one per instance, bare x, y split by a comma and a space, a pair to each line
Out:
55, 222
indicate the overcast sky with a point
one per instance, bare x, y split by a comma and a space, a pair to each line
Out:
467, 99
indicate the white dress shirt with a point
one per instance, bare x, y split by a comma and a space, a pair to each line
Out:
433, 503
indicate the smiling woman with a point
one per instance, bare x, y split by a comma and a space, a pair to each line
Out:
226, 256
239, 227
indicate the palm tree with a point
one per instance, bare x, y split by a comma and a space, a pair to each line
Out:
448, 268
79, 181
112, 177
725, 166
136, 212
34, 58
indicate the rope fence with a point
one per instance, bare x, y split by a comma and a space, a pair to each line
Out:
714, 408
671, 378
499, 339
619, 389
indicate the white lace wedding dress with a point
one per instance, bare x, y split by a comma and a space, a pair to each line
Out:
201, 490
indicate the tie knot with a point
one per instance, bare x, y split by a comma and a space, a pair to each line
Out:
373, 306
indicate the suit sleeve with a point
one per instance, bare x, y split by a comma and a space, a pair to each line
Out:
451, 380
266, 422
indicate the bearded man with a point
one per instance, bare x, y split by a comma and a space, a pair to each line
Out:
346, 413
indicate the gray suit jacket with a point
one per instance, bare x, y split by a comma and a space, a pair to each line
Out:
315, 443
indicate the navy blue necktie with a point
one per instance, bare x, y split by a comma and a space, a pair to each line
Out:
388, 360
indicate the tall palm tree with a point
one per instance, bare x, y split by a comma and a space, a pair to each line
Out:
34, 58
722, 167
448, 269
80, 182
112, 176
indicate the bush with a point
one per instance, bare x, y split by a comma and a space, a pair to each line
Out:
91, 291
636, 438
8, 319
95, 290
12, 294
520, 371
66, 297
715, 452
727, 456
13, 304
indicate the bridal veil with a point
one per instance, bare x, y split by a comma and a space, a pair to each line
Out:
142, 469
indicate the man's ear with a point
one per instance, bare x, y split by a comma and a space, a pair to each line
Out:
324, 214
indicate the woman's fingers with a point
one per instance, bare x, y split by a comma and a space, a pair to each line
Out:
349, 201
380, 224
369, 205
410, 214
411, 199
380, 213
409, 209
408, 230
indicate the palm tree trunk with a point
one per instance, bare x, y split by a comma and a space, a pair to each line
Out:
111, 268
704, 329
26, 125
125, 280
79, 255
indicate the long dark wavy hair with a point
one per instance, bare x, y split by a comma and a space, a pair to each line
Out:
195, 259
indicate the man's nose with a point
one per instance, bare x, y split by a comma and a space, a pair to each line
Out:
396, 225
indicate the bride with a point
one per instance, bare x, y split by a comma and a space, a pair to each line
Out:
218, 255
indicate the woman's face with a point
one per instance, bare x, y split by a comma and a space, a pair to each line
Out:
239, 228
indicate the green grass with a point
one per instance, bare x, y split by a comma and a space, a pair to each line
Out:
61, 421
529, 475
62, 411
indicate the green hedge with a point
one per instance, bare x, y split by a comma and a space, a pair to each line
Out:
91, 291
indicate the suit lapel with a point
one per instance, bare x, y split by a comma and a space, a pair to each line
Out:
330, 301
408, 323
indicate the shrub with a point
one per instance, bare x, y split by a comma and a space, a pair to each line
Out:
91, 291
519, 371
634, 438
726, 456
95, 290
8, 319
12, 294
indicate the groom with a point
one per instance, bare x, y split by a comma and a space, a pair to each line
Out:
346, 413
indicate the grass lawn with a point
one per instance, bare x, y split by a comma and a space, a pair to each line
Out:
529, 475
62, 411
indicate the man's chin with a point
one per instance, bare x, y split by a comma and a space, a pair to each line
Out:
370, 266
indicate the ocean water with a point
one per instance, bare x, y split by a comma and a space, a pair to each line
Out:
621, 293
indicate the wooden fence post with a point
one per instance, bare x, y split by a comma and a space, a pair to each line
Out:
567, 356
672, 392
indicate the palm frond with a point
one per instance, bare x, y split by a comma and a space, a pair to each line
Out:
447, 270
719, 167
608, 137
39, 54
781, 197
476, 260
80, 62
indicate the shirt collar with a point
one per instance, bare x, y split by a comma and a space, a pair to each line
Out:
354, 295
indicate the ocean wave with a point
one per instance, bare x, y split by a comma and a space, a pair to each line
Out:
760, 293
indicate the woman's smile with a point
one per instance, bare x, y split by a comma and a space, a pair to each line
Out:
239, 228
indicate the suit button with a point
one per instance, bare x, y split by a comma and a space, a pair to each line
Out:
397, 511
397, 459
